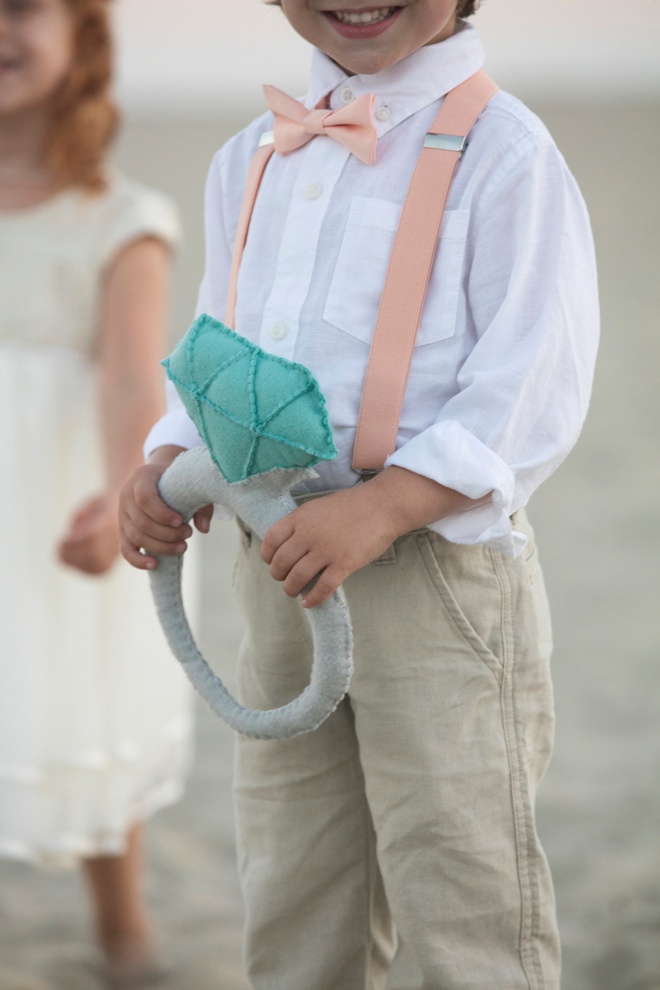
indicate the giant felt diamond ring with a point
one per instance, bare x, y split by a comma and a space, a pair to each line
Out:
264, 424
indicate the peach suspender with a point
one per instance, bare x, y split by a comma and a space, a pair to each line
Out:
409, 269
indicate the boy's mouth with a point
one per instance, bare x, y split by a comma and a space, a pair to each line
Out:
364, 17
363, 23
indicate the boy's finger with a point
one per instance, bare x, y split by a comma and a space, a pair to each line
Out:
147, 498
144, 524
152, 545
278, 534
202, 518
328, 582
135, 557
289, 563
301, 574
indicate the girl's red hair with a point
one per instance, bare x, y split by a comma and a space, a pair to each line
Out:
84, 117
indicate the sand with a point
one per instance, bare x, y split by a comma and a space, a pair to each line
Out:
598, 525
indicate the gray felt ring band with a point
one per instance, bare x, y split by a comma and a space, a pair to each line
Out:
191, 482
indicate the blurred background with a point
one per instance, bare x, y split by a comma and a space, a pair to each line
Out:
188, 75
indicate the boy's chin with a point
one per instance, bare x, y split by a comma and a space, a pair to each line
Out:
365, 64
361, 69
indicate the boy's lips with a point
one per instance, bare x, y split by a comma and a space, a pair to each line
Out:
366, 22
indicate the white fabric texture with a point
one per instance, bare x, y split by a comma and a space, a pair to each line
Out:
95, 714
501, 375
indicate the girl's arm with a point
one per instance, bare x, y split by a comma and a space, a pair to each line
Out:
130, 390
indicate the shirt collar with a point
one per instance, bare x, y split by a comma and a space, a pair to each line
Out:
404, 88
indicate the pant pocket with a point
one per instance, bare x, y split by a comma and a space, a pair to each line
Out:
468, 586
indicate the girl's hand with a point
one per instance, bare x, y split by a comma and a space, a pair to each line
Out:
148, 524
91, 542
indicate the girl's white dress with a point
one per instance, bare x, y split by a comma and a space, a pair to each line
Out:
95, 714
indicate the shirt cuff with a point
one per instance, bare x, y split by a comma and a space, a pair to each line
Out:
175, 428
457, 459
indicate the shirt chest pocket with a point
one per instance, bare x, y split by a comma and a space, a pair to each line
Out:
364, 255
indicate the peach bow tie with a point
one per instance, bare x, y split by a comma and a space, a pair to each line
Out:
351, 125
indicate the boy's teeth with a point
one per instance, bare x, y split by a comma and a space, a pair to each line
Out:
369, 17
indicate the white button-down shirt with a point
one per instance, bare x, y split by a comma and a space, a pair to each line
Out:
501, 374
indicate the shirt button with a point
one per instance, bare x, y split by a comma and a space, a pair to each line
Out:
278, 331
346, 94
383, 113
313, 190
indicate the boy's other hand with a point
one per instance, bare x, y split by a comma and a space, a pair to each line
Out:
330, 537
148, 526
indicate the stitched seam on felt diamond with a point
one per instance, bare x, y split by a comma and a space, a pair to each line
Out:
257, 430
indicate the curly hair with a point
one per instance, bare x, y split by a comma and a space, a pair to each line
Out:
467, 8
85, 118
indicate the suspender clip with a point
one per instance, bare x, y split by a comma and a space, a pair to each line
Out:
366, 474
446, 142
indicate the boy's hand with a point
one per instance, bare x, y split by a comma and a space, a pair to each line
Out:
330, 537
333, 536
91, 542
148, 524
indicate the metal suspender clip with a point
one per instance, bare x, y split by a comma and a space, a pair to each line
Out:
446, 142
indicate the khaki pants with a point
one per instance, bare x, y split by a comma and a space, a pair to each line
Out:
395, 846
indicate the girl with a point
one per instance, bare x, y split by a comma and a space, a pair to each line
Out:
94, 721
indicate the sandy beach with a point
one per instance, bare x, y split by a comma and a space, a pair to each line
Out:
598, 526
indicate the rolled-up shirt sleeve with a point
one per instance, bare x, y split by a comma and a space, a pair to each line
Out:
524, 387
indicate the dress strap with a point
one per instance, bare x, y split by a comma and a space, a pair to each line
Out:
409, 271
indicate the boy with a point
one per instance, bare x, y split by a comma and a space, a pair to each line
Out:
410, 811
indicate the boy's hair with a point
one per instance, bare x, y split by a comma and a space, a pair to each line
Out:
84, 117
464, 8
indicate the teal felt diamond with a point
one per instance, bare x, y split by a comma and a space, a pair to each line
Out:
253, 410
